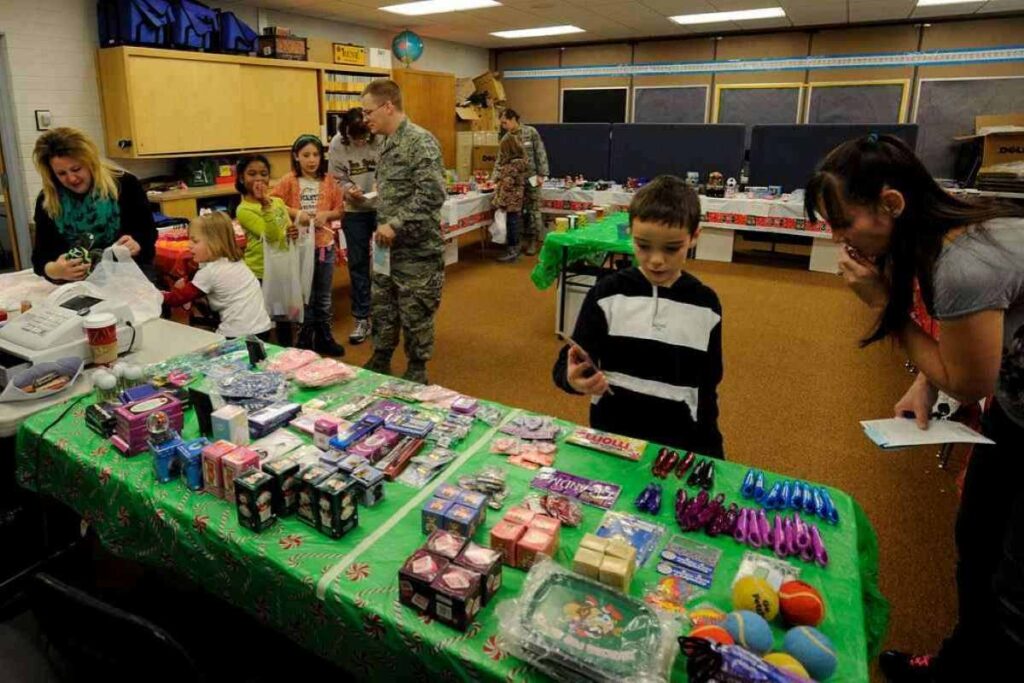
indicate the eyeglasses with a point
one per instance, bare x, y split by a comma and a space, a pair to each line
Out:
367, 113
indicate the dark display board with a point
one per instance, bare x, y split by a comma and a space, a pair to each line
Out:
645, 150
577, 148
594, 105
670, 104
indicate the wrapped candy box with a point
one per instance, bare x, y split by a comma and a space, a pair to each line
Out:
415, 579
447, 491
477, 502
505, 537
336, 501
520, 515
433, 514
254, 499
213, 478
232, 465
307, 509
456, 596
231, 423
445, 544
369, 484
284, 473
324, 429
131, 433
350, 463
487, 563
461, 520
533, 543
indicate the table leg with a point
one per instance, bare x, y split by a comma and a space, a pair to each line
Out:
563, 290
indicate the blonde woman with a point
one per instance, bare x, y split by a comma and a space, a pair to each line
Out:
85, 202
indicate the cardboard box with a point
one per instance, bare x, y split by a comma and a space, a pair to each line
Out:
489, 83
1001, 137
347, 53
464, 88
320, 50
484, 157
415, 577
482, 138
464, 154
283, 47
457, 596
487, 120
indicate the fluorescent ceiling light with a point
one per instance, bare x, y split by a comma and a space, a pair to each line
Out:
536, 32
926, 3
415, 9
738, 15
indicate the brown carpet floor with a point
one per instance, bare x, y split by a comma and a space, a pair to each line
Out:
796, 386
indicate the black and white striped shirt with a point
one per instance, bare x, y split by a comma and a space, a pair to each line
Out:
661, 350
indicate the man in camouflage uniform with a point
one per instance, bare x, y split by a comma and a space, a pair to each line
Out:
410, 185
537, 165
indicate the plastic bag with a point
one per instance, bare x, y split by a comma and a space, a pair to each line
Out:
306, 246
498, 228
576, 629
119, 278
282, 284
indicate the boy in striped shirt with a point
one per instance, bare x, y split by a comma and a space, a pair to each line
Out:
649, 351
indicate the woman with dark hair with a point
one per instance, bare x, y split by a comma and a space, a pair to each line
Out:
353, 155
896, 226
313, 198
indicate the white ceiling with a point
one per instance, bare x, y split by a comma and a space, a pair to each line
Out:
619, 19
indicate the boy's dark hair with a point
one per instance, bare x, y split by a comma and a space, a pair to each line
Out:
510, 115
353, 127
243, 164
667, 200
297, 146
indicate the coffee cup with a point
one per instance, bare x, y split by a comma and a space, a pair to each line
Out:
101, 329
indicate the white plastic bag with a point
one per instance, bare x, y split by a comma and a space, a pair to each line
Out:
119, 279
282, 286
305, 245
498, 227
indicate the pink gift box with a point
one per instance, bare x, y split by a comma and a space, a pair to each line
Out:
240, 460
213, 478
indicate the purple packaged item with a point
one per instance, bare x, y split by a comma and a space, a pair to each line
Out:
465, 405
386, 409
375, 445
708, 661
597, 493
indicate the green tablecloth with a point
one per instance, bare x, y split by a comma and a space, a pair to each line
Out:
340, 598
597, 238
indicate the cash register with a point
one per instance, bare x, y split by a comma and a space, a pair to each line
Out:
53, 327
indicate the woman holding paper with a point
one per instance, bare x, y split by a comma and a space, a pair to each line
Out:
896, 225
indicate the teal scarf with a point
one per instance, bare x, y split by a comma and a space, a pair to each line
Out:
89, 215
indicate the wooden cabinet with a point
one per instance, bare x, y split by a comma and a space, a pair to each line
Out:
159, 103
169, 121
429, 99
278, 106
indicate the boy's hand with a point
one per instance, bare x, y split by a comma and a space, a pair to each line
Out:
582, 375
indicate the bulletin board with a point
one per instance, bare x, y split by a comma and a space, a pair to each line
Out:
857, 102
671, 104
646, 150
946, 107
594, 105
754, 104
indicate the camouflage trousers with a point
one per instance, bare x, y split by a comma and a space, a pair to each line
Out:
532, 226
404, 303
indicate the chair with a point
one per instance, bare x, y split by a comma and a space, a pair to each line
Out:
98, 641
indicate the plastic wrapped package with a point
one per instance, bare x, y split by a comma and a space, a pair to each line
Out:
290, 360
323, 373
575, 629
243, 384
708, 661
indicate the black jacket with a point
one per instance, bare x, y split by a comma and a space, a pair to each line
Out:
136, 220
661, 349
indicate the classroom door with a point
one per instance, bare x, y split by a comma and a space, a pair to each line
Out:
429, 100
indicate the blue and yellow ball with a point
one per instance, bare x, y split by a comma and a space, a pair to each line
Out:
813, 649
749, 630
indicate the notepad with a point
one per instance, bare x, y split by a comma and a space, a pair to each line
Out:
901, 432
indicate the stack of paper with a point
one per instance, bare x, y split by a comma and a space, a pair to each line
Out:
900, 432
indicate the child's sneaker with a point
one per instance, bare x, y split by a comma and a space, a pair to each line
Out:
361, 331
511, 256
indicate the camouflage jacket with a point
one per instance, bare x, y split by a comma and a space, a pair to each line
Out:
536, 155
410, 185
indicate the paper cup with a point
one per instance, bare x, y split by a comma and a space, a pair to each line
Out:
101, 329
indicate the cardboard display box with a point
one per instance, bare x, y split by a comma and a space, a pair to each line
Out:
1001, 137
484, 157
489, 83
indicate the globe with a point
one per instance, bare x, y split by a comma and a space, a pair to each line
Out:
407, 47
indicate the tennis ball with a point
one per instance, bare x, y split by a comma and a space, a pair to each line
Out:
787, 663
755, 594
813, 649
801, 604
749, 630
713, 633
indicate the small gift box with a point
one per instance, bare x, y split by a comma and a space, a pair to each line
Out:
457, 596
336, 502
487, 563
254, 499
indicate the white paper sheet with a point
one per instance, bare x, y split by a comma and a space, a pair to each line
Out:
899, 432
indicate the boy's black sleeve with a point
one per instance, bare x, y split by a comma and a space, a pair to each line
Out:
708, 401
590, 333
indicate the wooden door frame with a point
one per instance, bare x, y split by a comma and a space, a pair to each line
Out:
17, 194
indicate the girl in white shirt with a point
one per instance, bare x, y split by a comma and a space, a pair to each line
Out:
225, 280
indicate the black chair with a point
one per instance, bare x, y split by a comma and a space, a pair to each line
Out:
97, 641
